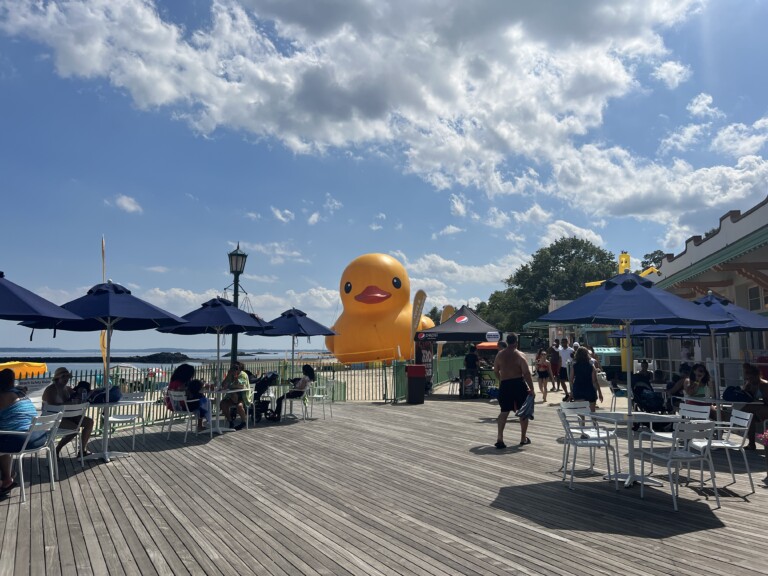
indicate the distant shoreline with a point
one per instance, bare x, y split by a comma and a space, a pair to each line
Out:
159, 358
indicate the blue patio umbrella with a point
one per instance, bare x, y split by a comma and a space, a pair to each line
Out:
219, 316
17, 303
294, 323
110, 307
629, 299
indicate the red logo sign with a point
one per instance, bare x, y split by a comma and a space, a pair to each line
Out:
462, 320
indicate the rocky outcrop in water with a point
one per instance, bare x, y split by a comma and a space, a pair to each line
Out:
164, 358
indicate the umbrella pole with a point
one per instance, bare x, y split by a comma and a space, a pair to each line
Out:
716, 370
105, 410
218, 359
630, 360
293, 352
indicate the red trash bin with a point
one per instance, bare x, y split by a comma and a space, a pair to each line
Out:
417, 383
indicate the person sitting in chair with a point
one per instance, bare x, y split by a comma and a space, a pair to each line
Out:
300, 386
16, 415
756, 387
239, 401
59, 393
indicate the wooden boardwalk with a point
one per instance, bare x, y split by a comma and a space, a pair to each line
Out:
378, 489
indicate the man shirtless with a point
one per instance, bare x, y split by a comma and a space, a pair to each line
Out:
515, 384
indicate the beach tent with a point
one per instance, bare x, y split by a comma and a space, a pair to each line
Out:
463, 326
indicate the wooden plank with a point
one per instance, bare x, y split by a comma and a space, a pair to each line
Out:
376, 489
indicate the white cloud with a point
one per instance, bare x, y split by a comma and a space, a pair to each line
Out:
739, 140
128, 204
278, 252
381, 216
612, 183
314, 218
284, 216
375, 226
562, 229
178, 300
701, 106
433, 80
447, 231
158, 269
683, 138
459, 204
535, 215
451, 272
263, 278
253, 216
502, 97
331, 204
496, 218
672, 74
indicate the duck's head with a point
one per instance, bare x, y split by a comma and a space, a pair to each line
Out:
373, 284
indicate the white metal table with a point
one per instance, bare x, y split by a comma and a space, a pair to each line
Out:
629, 420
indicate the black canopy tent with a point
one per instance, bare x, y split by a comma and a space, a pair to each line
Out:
463, 326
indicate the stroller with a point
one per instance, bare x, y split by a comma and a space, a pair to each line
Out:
646, 399
261, 384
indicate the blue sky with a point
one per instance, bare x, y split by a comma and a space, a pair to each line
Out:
459, 137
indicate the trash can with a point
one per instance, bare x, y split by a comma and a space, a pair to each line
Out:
417, 381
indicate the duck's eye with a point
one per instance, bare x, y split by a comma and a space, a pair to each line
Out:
348, 287
396, 282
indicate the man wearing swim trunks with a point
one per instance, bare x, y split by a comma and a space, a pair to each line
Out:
514, 374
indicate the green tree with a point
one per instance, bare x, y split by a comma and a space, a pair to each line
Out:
434, 315
558, 271
654, 258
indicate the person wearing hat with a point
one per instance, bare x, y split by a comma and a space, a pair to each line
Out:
59, 393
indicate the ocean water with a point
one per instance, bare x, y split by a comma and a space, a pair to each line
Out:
197, 357
89, 370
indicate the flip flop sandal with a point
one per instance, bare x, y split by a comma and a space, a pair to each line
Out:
7, 489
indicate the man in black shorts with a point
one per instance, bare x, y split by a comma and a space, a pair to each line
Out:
514, 375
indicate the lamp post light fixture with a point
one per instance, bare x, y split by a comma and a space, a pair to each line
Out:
237, 260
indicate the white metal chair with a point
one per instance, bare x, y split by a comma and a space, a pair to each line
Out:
733, 437
41, 425
572, 425
179, 412
321, 392
617, 391
303, 399
687, 411
74, 411
130, 417
682, 452
587, 428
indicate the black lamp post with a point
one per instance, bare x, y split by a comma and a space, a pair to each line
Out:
237, 260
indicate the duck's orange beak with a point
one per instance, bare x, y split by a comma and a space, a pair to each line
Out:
372, 295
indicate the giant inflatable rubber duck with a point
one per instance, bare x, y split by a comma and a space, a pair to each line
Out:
376, 322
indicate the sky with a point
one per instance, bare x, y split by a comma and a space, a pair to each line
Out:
457, 136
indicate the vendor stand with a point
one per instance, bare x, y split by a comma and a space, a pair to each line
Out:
465, 326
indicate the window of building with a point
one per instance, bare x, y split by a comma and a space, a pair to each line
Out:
758, 299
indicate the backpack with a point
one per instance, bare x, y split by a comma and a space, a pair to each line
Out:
736, 394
